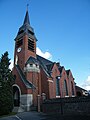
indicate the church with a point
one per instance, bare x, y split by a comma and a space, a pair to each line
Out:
34, 75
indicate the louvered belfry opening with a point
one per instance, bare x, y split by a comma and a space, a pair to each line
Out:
31, 45
19, 43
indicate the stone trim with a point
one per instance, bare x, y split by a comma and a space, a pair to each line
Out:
31, 69
18, 88
67, 96
58, 96
26, 100
50, 81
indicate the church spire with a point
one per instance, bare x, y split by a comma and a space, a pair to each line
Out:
26, 20
26, 28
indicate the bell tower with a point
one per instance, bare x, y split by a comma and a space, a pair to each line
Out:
25, 43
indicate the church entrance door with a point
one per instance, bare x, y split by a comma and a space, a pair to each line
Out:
16, 95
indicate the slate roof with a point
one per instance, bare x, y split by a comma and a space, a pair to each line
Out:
58, 64
79, 88
27, 83
32, 60
26, 20
50, 66
67, 71
46, 65
61, 68
45, 61
26, 29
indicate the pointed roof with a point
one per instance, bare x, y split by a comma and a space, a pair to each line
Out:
67, 71
45, 61
46, 65
32, 60
61, 68
26, 19
26, 28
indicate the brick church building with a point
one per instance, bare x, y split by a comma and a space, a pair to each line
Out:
35, 75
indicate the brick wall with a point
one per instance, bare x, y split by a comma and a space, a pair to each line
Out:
44, 84
66, 106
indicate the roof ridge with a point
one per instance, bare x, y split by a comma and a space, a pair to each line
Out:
44, 58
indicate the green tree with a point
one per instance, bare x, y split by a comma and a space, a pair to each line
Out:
6, 81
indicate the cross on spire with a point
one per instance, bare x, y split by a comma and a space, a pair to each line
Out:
26, 20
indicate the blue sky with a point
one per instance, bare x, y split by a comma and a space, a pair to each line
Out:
62, 28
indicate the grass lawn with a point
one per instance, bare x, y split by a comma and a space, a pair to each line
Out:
10, 114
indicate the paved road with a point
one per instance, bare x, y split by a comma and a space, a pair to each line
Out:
26, 116
42, 116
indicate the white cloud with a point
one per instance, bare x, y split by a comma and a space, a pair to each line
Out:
46, 54
11, 65
86, 84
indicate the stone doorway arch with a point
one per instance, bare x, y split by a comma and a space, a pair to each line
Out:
16, 95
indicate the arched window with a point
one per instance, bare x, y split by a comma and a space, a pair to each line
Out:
65, 87
72, 88
57, 87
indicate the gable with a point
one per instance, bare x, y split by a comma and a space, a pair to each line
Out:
69, 73
45, 64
